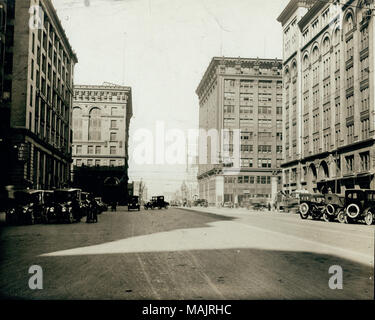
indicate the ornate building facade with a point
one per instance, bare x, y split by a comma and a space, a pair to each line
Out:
329, 109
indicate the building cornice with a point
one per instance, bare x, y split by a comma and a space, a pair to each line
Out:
292, 6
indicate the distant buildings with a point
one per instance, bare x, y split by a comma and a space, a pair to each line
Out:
101, 119
329, 92
36, 88
244, 94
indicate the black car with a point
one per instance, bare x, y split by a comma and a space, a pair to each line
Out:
360, 205
160, 202
133, 203
26, 207
68, 206
149, 204
102, 206
311, 204
334, 209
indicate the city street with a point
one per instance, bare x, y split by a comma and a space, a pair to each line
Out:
194, 253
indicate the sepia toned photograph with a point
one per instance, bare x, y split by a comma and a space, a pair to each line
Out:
187, 150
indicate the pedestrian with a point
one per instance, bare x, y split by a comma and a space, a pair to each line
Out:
114, 204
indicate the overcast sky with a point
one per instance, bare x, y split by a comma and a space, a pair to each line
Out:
161, 48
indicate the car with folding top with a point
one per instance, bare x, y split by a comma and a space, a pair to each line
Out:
311, 204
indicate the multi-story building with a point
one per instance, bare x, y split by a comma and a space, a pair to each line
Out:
329, 110
242, 95
36, 95
101, 119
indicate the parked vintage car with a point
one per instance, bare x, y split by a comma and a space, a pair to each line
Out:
311, 204
201, 203
133, 203
334, 209
26, 207
360, 205
68, 206
103, 207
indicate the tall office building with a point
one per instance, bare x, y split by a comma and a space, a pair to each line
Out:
240, 94
101, 119
36, 86
329, 109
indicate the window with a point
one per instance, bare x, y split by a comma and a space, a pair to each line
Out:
112, 150
98, 150
90, 149
79, 149
90, 162
79, 162
97, 162
112, 163
349, 163
94, 124
264, 163
365, 161
113, 136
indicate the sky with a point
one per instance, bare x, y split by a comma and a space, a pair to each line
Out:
161, 49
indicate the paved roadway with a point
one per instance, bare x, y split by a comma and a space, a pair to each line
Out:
192, 253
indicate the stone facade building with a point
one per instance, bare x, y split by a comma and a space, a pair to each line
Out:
37, 90
101, 118
240, 94
329, 109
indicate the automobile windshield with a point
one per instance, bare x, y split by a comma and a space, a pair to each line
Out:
63, 196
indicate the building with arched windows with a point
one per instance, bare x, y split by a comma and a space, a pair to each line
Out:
101, 118
329, 109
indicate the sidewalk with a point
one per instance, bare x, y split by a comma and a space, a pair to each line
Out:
236, 211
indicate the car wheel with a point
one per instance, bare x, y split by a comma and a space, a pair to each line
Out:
341, 216
353, 210
369, 218
304, 210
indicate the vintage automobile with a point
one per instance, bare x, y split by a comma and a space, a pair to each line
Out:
68, 206
159, 202
360, 205
26, 207
149, 204
311, 204
201, 203
133, 203
103, 207
334, 209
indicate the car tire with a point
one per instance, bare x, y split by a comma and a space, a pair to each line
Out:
341, 216
330, 210
369, 218
304, 210
353, 206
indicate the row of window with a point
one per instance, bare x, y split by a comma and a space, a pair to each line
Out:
98, 162
97, 149
248, 180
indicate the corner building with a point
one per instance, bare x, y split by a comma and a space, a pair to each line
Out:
36, 82
329, 110
244, 94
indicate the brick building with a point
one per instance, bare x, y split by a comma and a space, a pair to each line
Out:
241, 94
329, 110
36, 96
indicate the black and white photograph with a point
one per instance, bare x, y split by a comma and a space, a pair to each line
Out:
187, 151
